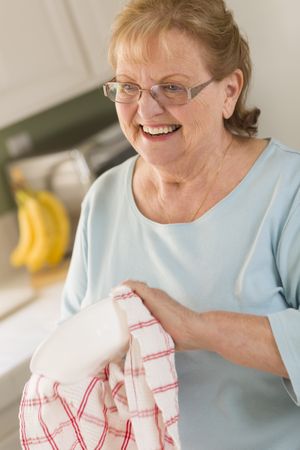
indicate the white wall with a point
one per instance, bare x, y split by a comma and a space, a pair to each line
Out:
273, 31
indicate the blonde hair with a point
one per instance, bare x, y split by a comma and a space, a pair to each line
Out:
208, 22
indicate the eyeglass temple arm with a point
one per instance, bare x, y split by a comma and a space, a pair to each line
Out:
195, 90
105, 91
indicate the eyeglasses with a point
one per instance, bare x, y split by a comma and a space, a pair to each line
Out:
166, 94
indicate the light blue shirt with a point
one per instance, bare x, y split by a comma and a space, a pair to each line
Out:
242, 255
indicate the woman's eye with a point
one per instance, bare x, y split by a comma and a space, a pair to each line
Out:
173, 87
129, 88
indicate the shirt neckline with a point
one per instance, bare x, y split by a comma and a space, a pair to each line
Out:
217, 207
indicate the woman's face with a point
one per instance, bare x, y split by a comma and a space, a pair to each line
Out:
200, 121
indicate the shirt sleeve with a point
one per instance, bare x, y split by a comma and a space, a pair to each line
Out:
76, 282
286, 324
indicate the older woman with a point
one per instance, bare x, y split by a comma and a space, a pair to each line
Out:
208, 216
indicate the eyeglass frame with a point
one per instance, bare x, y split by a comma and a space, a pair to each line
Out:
192, 92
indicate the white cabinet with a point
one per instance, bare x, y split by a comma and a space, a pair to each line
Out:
21, 333
11, 442
93, 19
9, 433
39, 57
50, 51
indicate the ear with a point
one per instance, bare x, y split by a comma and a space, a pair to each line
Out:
232, 89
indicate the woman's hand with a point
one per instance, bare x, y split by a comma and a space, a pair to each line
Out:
175, 318
243, 339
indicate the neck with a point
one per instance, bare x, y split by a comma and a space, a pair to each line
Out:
191, 170
182, 195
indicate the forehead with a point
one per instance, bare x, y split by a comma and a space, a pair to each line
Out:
172, 51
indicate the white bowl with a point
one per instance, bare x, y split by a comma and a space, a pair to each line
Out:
82, 345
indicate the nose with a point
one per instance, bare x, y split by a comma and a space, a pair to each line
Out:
148, 106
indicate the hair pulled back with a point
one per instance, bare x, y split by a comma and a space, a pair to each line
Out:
208, 22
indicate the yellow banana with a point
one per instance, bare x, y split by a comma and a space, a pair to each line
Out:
43, 230
19, 254
61, 223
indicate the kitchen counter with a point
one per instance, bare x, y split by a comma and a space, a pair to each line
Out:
20, 334
15, 292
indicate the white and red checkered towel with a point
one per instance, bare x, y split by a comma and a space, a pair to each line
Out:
130, 405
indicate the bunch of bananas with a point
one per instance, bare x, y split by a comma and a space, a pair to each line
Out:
44, 230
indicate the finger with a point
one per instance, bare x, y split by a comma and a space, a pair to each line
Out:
139, 287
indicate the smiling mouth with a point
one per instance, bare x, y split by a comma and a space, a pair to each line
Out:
160, 131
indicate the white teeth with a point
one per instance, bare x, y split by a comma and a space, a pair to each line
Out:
160, 130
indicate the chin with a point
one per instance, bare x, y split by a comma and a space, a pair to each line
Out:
158, 156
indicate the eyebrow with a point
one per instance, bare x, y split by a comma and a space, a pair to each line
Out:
162, 80
181, 75
123, 75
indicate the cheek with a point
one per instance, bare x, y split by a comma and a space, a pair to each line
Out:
126, 114
199, 122
206, 115
195, 119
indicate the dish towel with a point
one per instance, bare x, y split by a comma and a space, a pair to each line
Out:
131, 404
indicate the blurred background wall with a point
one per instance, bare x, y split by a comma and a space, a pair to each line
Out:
273, 31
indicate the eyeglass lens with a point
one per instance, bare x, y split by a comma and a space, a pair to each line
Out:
163, 93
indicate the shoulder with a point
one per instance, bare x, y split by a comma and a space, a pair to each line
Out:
109, 186
284, 152
279, 162
283, 163
282, 173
